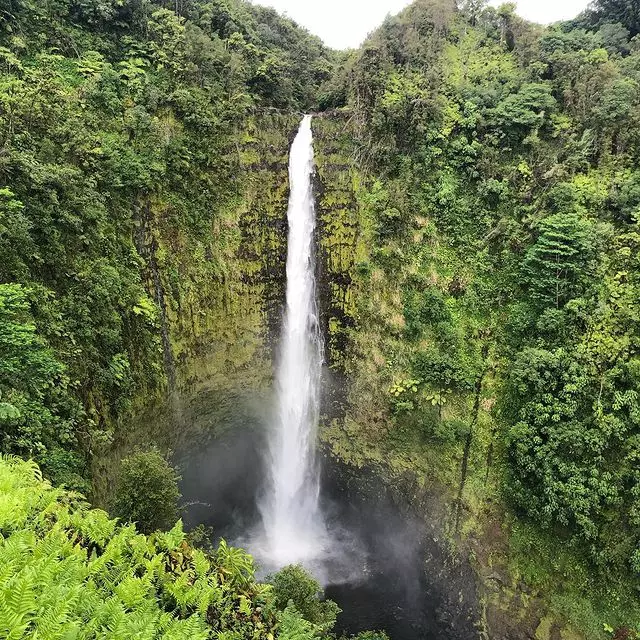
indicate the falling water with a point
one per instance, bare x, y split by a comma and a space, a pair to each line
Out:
293, 526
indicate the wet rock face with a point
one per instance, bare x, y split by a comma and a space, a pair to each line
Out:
336, 182
338, 234
222, 302
263, 215
224, 308
413, 586
226, 326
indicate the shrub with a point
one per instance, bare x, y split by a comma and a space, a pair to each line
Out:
147, 492
293, 584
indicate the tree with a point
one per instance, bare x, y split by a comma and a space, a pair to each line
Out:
472, 9
572, 442
557, 266
626, 12
147, 491
294, 585
522, 113
615, 38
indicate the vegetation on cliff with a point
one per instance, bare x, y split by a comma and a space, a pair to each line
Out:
497, 334
122, 126
68, 571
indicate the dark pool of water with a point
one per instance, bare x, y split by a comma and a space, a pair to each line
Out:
412, 588
400, 578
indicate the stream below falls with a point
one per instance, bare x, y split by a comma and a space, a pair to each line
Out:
390, 569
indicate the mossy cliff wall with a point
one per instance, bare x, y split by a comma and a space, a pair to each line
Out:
337, 183
226, 304
219, 295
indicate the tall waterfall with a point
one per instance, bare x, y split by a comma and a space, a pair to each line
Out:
293, 525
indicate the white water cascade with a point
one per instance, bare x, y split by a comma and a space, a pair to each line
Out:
294, 530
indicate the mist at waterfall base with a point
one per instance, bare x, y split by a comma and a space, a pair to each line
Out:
359, 544
400, 579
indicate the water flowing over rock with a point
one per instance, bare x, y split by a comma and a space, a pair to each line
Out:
293, 525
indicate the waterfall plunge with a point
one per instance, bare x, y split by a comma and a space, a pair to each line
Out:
294, 530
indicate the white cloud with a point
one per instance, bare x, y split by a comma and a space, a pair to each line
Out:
346, 23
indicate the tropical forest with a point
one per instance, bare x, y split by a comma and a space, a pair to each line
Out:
308, 344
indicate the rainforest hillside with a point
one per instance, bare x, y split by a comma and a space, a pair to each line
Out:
478, 195
121, 127
494, 341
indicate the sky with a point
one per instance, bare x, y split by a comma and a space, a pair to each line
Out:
346, 23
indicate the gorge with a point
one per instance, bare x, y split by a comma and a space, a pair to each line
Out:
465, 289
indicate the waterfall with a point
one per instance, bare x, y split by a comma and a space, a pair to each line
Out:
293, 525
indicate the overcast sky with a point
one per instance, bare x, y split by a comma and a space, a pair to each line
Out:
345, 23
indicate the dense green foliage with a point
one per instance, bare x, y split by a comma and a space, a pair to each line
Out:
36, 413
497, 338
116, 117
147, 492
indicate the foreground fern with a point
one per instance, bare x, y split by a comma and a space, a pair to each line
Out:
68, 571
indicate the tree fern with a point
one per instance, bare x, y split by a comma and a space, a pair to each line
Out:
68, 572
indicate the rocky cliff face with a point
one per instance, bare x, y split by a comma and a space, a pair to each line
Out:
220, 297
337, 182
